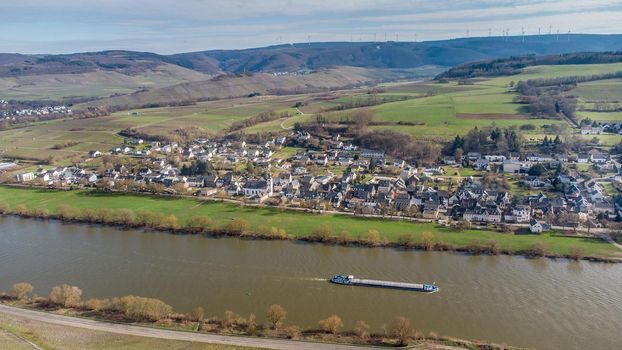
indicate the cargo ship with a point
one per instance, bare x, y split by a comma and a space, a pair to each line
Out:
351, 281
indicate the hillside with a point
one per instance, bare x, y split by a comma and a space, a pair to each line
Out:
107, 73
515, 65
239, 85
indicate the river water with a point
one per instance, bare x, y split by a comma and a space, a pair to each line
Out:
539, 303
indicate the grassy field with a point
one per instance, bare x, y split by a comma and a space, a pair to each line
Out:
455, 109
14, 329
296, 223
37, 141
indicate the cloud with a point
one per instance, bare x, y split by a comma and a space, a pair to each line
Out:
183, 25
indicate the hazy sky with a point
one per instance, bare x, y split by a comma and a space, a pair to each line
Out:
168, 26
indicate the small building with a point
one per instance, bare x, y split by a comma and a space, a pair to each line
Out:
25, 177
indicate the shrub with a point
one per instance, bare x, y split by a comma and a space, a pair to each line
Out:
89, 215
406, 239
401, 330
362, 329
96, 304
576, 253
276, 315
42, 213
170, 222
4, 208
22, 290
66, 295
197, 314
537, 249
104, 215
198, 223
293, 332
373, 238
493, 247
124, 216
20, 209
149, 218
332, 324
427, 240
66, 212
237, 226
140, 308
322, 234
251, 324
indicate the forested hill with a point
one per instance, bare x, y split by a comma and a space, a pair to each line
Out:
514, 65
295, 57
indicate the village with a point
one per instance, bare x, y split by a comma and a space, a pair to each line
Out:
535, 189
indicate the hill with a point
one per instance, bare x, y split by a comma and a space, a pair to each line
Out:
239, 85
515, 65
109, 73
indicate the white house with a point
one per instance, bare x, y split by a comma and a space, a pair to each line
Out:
25, 177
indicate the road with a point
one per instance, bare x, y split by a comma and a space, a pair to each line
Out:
283, 122
265, 343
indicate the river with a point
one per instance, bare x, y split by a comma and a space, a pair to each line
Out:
539, 303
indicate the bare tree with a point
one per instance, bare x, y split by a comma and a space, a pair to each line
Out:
22, 290
332, 324
66, 295
401, 329
276, 315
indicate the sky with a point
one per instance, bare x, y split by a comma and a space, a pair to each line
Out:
172, 26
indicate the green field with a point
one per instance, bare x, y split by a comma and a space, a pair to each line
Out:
296, 223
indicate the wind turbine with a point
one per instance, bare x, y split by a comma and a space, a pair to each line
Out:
523, 31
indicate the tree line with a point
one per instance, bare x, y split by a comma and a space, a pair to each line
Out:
515, 65
145, 310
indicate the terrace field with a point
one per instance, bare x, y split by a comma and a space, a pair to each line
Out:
299, 224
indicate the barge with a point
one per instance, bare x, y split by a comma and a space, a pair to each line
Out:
351, 281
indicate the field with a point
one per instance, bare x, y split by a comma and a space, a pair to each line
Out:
37, 141
92, 84
15, 330
455, 109
438, 112
297, 223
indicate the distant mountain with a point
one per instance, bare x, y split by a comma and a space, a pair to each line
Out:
93, 75
391, 54
295, 57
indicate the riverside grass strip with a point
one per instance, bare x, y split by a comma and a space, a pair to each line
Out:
300, 225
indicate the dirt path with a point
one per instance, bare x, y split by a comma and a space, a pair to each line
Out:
19, 339
169, 334
283, 122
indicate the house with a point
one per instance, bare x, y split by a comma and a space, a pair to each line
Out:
539, 158
583, 158
535, 226
25, 177
481, 164
522, 213
473, 156
258, 188
599, 157
494, 158
591, 130
449, 160
370, 153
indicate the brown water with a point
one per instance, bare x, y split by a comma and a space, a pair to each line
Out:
536, 303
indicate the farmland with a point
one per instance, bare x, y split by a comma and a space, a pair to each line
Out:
297, 223
433, 110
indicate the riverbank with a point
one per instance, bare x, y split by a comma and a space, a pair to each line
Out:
233, 332
215, 218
